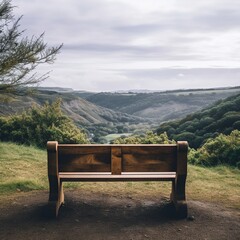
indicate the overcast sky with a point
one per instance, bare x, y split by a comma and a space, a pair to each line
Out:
114, 45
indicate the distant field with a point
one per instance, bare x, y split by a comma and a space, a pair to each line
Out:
111, 137
25, 169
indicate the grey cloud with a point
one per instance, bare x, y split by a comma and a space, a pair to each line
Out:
219, 20
139, 28
166, 52
116, 48
119, 32
204, 20
187, 73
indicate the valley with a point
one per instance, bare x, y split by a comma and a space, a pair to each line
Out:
120, 113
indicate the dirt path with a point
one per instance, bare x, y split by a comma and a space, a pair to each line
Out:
103, 216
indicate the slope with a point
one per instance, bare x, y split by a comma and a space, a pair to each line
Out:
222, 117
161, 106
80, 110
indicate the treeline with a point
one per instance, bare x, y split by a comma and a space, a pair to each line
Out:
196, 128
38, 125
148, 138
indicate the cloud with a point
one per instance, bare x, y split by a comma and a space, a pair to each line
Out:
103, 37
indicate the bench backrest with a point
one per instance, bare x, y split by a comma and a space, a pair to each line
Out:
118, 158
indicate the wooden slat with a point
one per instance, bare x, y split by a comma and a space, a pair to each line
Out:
135, 158
116, 160
85, 162
149, 149
89, 177
151, 159
83, 149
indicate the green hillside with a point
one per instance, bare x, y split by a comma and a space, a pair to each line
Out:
222, 117
161, 106
102, 114
96, 120
78, 109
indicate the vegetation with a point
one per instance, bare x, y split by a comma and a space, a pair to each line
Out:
98, 121
39, 125
25, 169
111, 137
78, 109
222, 117
224, 149
22, 168
148, 138
160, 106
104, 133
19, 55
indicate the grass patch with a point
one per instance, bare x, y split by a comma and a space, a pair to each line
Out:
219, 184
22, 168
25, 168
24, 186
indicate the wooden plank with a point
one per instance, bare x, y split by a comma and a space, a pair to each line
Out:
136, 162
149, 149
110, 177
83, 149
116, 160
85, 162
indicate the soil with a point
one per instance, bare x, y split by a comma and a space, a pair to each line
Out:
107, 216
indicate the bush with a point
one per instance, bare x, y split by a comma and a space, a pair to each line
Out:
148, 138
223, 149
39, 125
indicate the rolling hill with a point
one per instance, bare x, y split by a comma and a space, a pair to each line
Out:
101, 114
79, 109
161, 106
222, 117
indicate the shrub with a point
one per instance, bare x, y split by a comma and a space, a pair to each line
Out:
223, 149
148, 138
38, 125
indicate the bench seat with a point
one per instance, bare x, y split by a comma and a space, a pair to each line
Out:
125, 176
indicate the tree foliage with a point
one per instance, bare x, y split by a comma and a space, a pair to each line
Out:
39, 125
148, 138
224, 149
223, 117
19, 55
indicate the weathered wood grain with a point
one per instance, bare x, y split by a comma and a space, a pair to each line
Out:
149, 158
83, 149
85, 162
116, 157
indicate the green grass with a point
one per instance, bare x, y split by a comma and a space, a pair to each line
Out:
24, 169
219, 184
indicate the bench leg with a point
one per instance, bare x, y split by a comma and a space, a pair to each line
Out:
56, 197
178, 196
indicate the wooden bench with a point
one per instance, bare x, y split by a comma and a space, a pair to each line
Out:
141, 162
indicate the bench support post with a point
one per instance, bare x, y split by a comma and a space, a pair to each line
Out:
56, 195
178, 196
